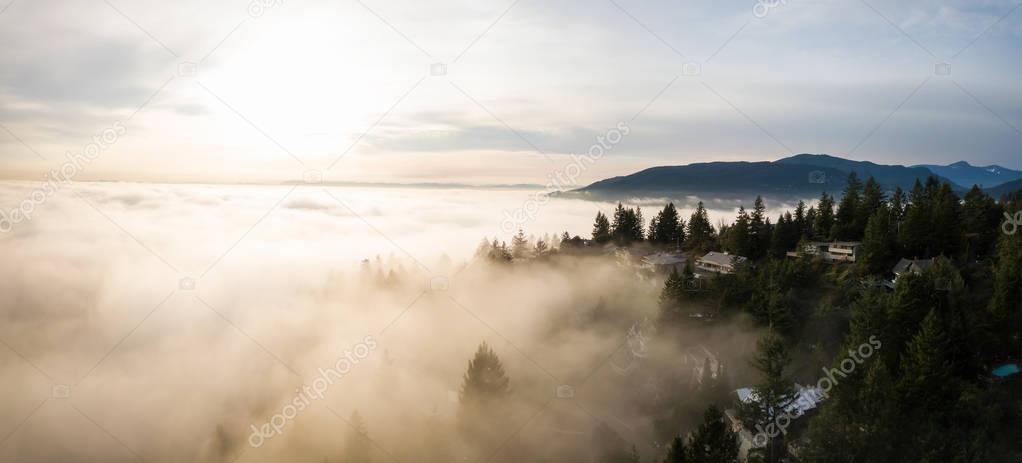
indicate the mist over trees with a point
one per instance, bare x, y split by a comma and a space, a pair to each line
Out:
942, 329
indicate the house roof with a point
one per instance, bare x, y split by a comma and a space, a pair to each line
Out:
722, 259
664, 258
912, 266
835, 243
806, 398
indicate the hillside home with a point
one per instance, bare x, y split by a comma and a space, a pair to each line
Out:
664, 262
719, 262
836, 251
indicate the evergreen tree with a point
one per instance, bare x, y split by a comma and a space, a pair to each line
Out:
759, 231
848, 210
701, 236
638, 233
925, 365
1004, 314
981, 219
898, 205
915, 231
676, 452
519, 245
872, 200
667, 228
947, 227
601, 229
671, 296
738, 239
485, 380
713, 441
627, 226
357, 445
824, 216
879, 243
802, 221
774, 392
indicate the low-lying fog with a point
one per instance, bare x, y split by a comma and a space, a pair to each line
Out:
165, 323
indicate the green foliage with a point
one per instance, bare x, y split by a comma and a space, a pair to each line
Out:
845, 224
667, 228
601, 229
484, 381
824, 217
713, 441
627, 226
676, 452
879, 245
700, 234
519, 245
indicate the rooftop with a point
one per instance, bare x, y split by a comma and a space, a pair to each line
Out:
722, 259
664, 258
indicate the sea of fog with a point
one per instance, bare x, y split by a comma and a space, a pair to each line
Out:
168, 322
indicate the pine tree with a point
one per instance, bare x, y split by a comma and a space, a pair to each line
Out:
676, 452
667, 228
759, 231
879, 243
485, 380
519, 245
713, 441
824, 216
775, 390
700, 232
915, 231
848, 209
638, 234
484, 390
981, 218
671, 296
898, 205
601, 229
357, 445
872, 200
947, 227
739, 236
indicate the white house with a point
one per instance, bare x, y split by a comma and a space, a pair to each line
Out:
836, 251
806, 399
719, 262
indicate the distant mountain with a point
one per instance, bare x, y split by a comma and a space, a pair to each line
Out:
890, 176
967, 175
803, 175
1005, 188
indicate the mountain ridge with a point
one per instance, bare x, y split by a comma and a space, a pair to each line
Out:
800, 175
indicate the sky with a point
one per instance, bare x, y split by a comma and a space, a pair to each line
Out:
489, 92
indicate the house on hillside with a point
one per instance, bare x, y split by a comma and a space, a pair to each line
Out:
664, 262
908, 267
911, 267
719, 262
806, 399
835, 251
